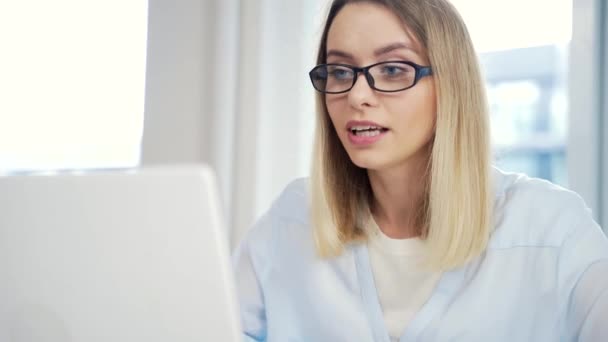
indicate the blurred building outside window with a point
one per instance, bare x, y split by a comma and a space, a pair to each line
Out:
525, 64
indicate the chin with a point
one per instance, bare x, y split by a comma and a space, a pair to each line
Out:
367, 161
372, 160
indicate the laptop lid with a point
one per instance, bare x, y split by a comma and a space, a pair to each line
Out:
138, 255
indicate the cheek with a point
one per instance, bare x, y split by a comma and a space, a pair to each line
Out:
425, 105
334, 108
432, 101
414, 114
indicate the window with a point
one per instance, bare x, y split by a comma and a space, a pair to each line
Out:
525, 65
72, 85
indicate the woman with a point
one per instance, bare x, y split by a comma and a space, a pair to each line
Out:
404, 232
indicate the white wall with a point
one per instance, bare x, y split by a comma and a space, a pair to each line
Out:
178, 58
227, 85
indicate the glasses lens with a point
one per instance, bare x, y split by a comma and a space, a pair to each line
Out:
392, 76
332, 78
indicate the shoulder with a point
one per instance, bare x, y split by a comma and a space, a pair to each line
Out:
292, 205
534, 212
285, 222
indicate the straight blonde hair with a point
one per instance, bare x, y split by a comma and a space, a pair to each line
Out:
455, 214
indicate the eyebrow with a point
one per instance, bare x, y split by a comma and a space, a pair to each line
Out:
393, 47
377, 52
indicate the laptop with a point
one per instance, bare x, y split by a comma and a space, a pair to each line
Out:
115, 256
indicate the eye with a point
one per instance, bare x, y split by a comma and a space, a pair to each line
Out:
340, 73
394, 70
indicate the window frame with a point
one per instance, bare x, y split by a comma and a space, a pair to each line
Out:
587, 148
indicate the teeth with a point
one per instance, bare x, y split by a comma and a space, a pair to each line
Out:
363, 128
371, 133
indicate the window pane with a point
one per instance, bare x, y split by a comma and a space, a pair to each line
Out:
72, 83
525, 66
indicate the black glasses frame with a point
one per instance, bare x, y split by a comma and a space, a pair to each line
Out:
421, 71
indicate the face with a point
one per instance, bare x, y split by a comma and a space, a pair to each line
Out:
360, 35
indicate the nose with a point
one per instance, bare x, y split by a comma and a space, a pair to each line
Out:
361, 94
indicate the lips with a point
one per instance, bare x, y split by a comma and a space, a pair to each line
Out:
365, 133
353, 123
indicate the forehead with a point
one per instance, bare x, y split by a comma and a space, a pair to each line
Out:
362, 27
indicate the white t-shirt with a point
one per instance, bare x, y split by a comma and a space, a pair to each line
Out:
403, 286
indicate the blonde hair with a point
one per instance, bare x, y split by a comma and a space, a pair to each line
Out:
455, 216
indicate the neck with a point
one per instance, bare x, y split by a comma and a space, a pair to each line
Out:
398, 196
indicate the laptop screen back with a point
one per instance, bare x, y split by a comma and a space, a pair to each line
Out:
115, 256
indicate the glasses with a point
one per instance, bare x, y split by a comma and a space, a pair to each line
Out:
387, 77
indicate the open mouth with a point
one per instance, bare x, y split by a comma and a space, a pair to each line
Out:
367, 131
